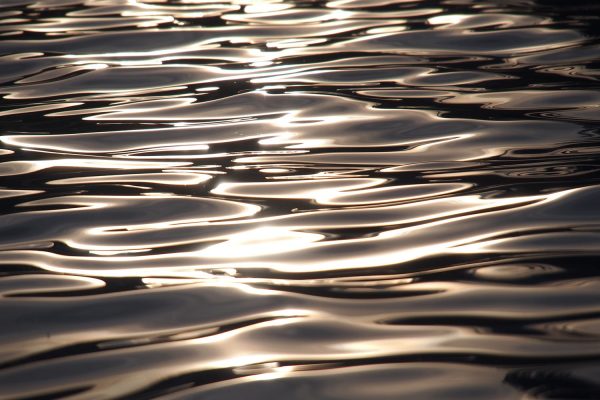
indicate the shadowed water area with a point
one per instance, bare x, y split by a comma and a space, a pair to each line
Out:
338, 200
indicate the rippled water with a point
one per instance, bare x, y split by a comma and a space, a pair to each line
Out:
350, 199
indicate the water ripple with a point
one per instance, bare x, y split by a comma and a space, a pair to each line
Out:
340, 199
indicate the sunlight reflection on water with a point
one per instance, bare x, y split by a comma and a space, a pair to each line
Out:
342, 199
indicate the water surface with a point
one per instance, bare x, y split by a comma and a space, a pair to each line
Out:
350, 199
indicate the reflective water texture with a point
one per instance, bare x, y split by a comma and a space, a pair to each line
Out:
346, 199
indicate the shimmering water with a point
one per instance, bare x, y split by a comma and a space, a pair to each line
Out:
353, 199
